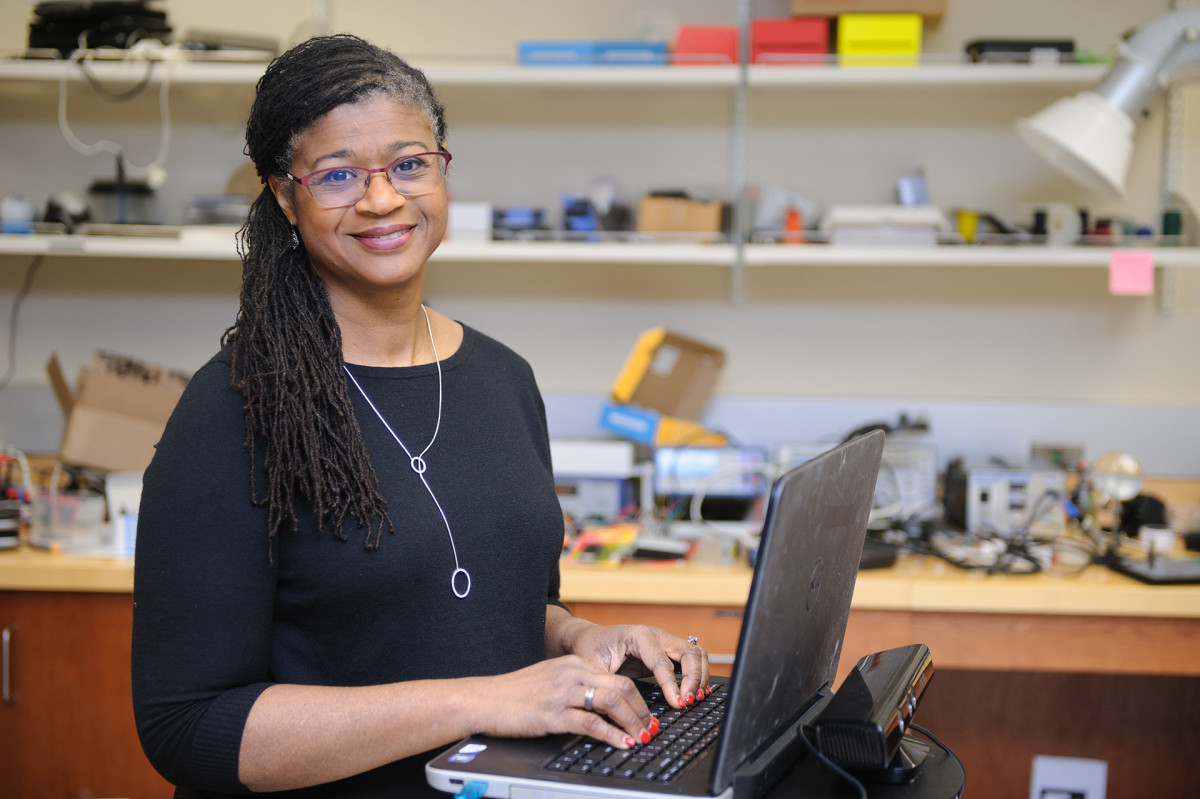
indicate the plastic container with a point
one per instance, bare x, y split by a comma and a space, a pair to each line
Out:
16, 214
71, 521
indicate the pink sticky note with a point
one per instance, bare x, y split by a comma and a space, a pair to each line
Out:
1131, 272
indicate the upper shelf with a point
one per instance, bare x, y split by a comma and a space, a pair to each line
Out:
932, 74
217, 244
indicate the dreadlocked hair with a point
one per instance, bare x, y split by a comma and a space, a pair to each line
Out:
286, 345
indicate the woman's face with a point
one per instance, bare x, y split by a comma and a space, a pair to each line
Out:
384, 239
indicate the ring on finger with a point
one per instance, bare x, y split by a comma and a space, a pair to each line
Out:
693, 640
588, 696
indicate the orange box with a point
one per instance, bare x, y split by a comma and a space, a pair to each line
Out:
706, 45
781, 41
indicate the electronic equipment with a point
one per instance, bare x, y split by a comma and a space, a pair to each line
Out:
60, 24
1009, 51
594, 479
863, 726
908, 479
725, 472
1008, 501
712, 489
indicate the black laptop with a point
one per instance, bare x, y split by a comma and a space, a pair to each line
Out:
747, 734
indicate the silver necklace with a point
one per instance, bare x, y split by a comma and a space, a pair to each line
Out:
417, 462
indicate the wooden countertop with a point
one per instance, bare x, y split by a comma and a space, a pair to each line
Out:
915, 583
29, 569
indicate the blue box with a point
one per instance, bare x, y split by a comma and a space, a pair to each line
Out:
631, 53
654, 429
562, 53
630, 422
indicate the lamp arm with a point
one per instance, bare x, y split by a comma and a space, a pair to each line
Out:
1150, 59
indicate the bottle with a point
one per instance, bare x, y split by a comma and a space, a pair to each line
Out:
793, 227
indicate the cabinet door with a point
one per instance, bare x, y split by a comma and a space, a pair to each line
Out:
66, 729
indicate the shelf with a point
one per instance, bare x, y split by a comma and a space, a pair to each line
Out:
785, 255
1050, 76
216, 73
465, 74
217, 244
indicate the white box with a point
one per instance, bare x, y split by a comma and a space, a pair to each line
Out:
885, 225
469, 221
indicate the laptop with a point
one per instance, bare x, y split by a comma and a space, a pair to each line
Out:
787, 657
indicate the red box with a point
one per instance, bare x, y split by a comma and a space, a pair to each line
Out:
706, 45
779, 41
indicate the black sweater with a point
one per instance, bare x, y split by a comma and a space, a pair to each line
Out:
219, 615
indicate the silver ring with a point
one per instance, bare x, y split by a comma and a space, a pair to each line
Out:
588, 695
693, 640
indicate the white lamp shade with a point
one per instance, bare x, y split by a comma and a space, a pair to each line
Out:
1086, 137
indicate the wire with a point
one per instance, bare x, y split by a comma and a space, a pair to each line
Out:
936, 742
841, 772
109, 94
20, 296
105, 145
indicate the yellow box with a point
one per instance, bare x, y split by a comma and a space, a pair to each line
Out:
875, 40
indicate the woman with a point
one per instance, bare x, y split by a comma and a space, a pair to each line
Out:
348, 544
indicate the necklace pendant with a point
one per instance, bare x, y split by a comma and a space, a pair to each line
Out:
454, 582
418, 464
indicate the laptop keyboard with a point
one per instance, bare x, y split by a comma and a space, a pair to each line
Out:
682, 736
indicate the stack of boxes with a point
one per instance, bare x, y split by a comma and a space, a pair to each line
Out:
859, 32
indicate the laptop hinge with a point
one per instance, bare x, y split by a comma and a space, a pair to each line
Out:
760, 772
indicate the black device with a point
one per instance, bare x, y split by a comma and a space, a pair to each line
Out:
1157, 569
863, 728
1019, 50
63, 24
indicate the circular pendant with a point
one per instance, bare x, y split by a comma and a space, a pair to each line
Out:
454, 582
418, 464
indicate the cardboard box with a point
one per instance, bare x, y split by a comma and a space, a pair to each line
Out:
117, 413
875, 40
781, 41
663, 389
678, 215
706, 45
930, 9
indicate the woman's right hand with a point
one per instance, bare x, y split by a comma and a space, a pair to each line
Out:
551, 697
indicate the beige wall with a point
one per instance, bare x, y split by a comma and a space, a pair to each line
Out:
1038, 335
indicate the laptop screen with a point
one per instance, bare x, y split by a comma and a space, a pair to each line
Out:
799, 600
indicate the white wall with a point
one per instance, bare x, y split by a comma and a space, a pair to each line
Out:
819, 339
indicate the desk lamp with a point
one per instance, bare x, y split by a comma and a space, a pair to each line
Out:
1089, 137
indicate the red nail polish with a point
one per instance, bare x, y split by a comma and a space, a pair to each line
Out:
645, 736
700, 695
690, 698
629, 742
654, 725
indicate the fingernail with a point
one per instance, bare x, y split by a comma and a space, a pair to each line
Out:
690, 698
645, 736
629, 742
654, 725
700, 695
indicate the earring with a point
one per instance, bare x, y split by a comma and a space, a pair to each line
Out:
295, 239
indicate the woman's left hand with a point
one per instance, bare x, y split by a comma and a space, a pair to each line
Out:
636, 650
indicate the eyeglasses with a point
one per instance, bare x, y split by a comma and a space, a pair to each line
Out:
412, 176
